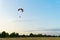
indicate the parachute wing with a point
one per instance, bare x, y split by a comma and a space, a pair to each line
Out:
21, 9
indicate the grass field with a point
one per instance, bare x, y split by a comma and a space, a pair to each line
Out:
32, 38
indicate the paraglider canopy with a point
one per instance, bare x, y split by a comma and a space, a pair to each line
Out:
21, 9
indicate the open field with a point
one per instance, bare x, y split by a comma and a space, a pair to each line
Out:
32, 38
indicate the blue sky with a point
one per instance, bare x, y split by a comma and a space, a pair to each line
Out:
38, 15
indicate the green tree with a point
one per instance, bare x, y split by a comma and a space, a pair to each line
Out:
31, 35
12, 34
17, 35
4, 34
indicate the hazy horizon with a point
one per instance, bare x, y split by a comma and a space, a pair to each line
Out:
40, 16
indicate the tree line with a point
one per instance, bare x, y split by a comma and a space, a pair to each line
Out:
13, 35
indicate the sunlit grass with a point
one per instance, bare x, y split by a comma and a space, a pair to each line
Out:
32, 38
